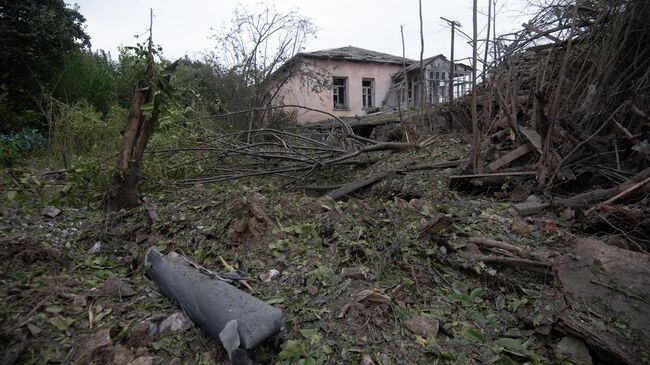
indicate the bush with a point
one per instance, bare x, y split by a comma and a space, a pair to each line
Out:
18, 145
82, 131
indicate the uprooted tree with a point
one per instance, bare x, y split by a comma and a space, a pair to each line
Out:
144, 109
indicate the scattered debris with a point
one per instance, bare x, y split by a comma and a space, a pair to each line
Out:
117, 287
96, 247
97, 342
50, 211
353, 273
267, 277
423, 326
573, 350
176, 322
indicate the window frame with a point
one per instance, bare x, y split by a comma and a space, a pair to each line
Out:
365, 98
336, 93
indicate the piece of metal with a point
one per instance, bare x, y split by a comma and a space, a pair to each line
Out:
234, 318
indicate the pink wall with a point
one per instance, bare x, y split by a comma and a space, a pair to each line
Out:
296, 92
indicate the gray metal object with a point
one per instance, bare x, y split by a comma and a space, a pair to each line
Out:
227, 314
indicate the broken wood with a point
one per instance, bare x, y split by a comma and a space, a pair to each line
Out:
524, 264
359, 184
521, 252
509, 157
529, 208
621, 195
598, 195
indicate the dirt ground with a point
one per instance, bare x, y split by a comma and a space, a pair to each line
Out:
67, 278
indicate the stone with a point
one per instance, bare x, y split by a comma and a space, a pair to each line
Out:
312, 290
117, 287
50, 211
177, 322
94, 344
423, 326
143, 360
175, 361
521, 227
353, 273
269, 275
574, 350
33, 329
121, 355
96, 247
142, 333
367, 360
78, 301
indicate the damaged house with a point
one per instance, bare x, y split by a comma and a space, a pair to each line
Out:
409, 87
352, 82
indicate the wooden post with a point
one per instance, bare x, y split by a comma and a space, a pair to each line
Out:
487, 41
451, 64
476, 142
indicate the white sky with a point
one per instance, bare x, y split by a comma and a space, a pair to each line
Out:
183, 27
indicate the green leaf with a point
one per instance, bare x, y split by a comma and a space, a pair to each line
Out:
500, 302
54, 309
476, 294
513, 346
291, 350
62, 323
308, 333
11, 195
473, 334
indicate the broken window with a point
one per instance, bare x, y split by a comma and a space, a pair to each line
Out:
367, 86
339, 89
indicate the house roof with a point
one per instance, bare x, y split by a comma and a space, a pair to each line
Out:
416, 64
356, 54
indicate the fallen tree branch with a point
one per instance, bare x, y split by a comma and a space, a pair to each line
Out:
524, 264
598, 195
489, 243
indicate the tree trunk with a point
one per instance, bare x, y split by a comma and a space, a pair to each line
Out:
123, 192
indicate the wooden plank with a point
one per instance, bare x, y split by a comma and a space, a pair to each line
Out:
533, 137
506, 159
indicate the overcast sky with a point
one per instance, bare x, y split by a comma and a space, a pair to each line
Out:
183, 27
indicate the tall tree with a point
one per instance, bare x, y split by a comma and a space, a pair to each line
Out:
255, 45
35, 36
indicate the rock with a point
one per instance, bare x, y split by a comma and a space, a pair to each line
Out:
372, 296
96, 247
175, 361
50, 211
574, 350
423, 326
142, 333
383, 359
121, 356
117, 287
353, 273
33, 329
143, 360
521, 227
269, 275
78, 301
94, 344
568, 214
312, 290
367, 360
142, 351
177, 322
